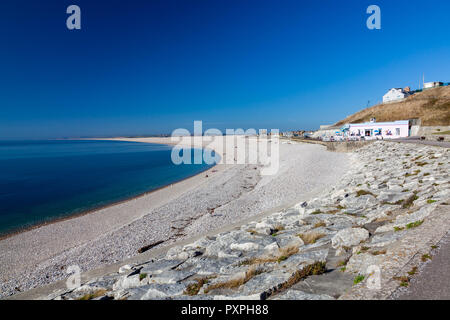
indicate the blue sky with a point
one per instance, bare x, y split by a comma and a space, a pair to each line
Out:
146, 67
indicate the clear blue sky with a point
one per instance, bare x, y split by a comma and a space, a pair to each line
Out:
145, 67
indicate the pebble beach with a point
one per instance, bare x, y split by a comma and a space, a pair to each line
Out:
217, 198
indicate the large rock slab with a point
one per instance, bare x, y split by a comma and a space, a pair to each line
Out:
332, 284
170, 277
265, 284
361, 202
155, 292
349, 237
402, 220
394, 197
126, 282
302, 258
159, 266
363, 263
247, 246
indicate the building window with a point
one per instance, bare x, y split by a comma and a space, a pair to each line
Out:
397, 131
368, 133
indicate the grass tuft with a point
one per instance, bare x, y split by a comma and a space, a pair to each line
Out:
95, 294
142, 276
410, 201
320, 224
364, 192
284, 253
342, 263
378, 252
358, 279
310, 270
311, 237
413, 271
426, 257
414, 224
404, 280
237, 282
277, 229
193, 288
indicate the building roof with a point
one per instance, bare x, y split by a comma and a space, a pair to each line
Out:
401, 89
395, 89
375, 124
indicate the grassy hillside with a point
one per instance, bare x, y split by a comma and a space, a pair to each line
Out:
431, 106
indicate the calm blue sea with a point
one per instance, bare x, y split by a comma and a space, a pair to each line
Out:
44, 180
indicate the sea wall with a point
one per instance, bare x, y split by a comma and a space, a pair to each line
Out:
336, 146
434, 132
428, 130
346, 146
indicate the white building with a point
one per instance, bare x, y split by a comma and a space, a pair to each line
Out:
377, 130
434, 84
395, 94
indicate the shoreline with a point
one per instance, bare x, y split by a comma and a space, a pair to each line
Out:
94, 210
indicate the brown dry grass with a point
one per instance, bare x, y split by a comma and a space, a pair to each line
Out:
378, 252
279, 227
193, 288
320, 224
410, 201
404, 280
312, 269
310, 237
95, 294
431, 106
235, 282
360, 193
283, 254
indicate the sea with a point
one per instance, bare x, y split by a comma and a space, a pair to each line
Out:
41, 181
